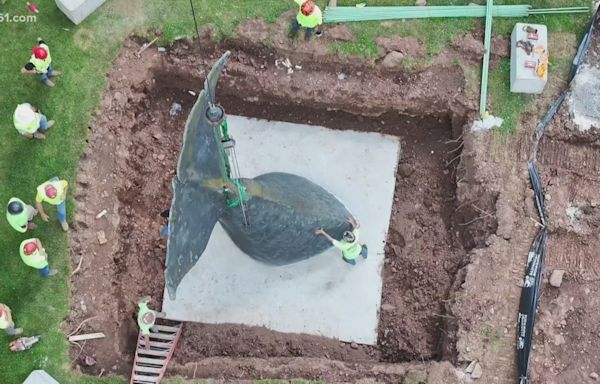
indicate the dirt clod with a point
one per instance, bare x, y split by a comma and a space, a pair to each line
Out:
594, 376
408, 46
415, 376
339, 33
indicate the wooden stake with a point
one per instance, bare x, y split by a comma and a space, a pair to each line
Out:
145, 47
87, 336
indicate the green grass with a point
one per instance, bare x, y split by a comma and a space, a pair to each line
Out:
436, 34
84, 53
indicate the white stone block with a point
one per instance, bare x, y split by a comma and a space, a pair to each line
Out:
78, 10
40, 377
523, 79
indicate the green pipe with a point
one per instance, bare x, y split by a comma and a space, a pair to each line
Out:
348, 14
486, 59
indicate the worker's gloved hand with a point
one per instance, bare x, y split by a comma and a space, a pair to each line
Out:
39, 39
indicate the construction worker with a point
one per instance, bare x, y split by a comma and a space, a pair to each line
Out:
40, 63
349, 244
164, 230
35, 256
30, 122
146, 319
53, 192
20, 215
7, 323
309, 16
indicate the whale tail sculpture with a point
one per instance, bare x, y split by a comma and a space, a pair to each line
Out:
284, 209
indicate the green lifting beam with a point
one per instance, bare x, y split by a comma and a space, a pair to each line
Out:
486, 59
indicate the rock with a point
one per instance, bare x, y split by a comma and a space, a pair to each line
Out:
387, 307
594, 376
101, 237
175, 109
556, 278
415, 376
160, 157
421, 3
471, 367
340, 33
559, 340
162, 49
342, 76
393, 59
477, 372
405, 170
353, 345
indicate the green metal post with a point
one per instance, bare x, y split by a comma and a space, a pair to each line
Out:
486, 59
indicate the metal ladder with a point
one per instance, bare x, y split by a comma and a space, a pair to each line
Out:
149, 365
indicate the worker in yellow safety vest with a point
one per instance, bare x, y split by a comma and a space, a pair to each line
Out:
349, 245
6, 322
30, 122
146, 319
309, 16
34, 255
40, 63
53, 192
20, 215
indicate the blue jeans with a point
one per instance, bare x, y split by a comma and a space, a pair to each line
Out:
353, 261
296, 27
11, 331
43, 124
46, 76
164, 231
61, 209
45, 271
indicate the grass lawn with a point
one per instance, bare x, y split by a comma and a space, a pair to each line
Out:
84, 54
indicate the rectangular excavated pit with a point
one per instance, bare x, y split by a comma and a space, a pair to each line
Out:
322, 295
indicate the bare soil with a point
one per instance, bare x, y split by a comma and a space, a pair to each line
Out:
461, 225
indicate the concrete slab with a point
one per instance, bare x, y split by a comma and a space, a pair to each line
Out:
40, 377
320, 296
584, 101
78, 10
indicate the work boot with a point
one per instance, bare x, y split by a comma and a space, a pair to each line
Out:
55, 73
351, 262
39, 136
18, 331
32, 226
65, 226
53, 272
49, 83
51, 124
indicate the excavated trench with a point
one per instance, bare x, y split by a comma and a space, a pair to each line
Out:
134, 147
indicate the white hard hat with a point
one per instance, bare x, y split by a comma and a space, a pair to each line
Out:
24, 113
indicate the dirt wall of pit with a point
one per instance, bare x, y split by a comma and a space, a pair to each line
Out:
458, 236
